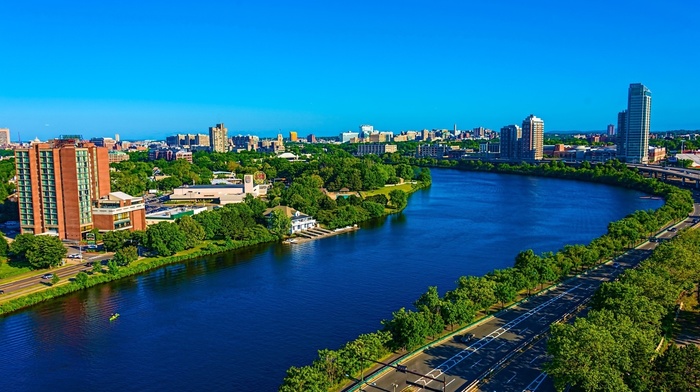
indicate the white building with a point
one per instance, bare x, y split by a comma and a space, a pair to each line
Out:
223, 194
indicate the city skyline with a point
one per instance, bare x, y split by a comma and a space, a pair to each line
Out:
162, 68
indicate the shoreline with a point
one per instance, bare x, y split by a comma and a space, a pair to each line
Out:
327, 233
35, 295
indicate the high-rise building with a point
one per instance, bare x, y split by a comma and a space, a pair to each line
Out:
532, 142
636, 141
293, 136
621, 135
116, 137
4, 136
611, 130
366, 130
218, 138
57, 183
311, 138
510, 142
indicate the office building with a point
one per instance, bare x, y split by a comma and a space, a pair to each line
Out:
621, 135
636, 134
611, 130
510, 142
311, 138
532, 140
218, 138
4, 137
346, 137
293, 136
376, 149
366, 130
119, 211
57, 183
244, 143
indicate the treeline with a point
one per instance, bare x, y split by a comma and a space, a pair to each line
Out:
410, 329
336, 168
614, 347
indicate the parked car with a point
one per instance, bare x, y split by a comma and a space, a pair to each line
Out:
466, 338
75, 256
672, 229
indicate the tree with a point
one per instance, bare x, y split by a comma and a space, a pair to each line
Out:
112, 267
46, 251
279, 223
504, 292
55, 279
193, 231
374, 209
210, 222
125, 256
4, 247
81, 279
165, 239
20, 246
399, 199
96, 267
115, 240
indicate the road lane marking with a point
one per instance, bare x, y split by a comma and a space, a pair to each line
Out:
475, 347
475, 363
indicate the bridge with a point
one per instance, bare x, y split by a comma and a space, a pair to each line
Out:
666, 173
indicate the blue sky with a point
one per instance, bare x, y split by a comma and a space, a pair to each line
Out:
145, 69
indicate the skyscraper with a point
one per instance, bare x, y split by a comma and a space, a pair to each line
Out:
218, 138
57, 183
621, 135
533, 138
638, 123
510, 142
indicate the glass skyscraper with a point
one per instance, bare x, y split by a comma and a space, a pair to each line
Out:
635, 138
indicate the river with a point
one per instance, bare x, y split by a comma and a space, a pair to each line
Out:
237, 321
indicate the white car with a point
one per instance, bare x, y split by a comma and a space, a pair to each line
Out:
75, 256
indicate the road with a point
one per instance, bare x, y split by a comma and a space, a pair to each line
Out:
68, 271
458, 366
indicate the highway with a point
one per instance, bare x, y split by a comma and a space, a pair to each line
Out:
455, 366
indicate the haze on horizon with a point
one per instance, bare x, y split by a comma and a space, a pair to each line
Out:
148, 70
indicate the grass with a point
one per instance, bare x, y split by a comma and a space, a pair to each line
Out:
7, 270
406, 187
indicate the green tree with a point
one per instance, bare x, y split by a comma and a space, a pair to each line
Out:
4, 246
55, 279
399, 199
112, 267
193, 231
374, 209
165, 239
115, 240
125, 256
210, 222
20, 246
279, 223
504, 293
46, 251
81, 279
96, 267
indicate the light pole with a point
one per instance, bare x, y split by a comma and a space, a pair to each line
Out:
393, 384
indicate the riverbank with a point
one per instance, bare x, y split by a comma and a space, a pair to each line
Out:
42, 291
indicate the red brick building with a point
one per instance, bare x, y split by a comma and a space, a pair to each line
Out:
57, 183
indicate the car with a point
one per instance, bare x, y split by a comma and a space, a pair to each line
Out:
88, 264
2, 291
616, 265
47, 276
466, 338
75, 256
672, 229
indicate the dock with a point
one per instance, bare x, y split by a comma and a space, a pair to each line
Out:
316, 233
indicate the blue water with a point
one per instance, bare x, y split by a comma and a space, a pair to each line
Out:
237, 321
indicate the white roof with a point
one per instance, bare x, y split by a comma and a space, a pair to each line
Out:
121, 196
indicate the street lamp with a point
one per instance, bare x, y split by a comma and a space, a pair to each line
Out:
393, 384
